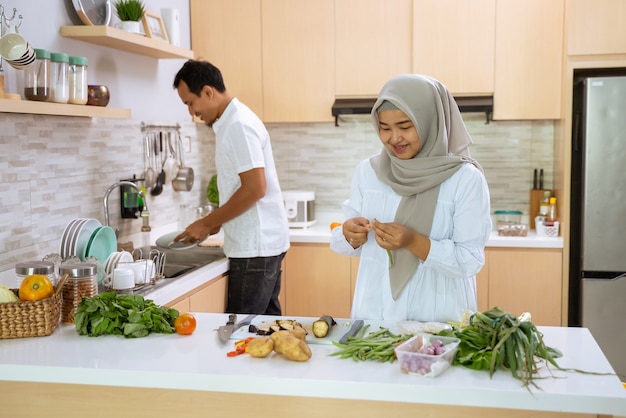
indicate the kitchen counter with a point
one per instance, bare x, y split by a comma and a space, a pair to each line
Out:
172, 375
319, 232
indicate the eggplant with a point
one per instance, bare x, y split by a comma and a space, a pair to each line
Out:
322, 326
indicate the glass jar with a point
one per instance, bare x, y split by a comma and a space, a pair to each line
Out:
82, 281
78, 80
59, 79
26, 268
37, 77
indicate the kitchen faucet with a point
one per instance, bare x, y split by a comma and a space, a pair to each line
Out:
145, 214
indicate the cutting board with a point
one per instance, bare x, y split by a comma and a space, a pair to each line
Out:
336, 332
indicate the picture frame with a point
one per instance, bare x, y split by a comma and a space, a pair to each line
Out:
154, 27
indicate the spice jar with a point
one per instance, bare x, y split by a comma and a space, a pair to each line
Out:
59, 79
82, 281
37, 77
45, 268
78, 80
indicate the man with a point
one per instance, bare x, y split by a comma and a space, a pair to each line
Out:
252, 212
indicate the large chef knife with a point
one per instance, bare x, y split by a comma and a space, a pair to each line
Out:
225, 331
353, 331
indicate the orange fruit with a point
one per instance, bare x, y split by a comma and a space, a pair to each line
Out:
334, 225
185, 324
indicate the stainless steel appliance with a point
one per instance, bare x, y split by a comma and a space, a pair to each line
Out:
597, 298
300, 207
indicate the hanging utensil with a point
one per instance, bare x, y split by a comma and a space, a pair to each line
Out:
171, 162
158, 187
184, 179
150, 174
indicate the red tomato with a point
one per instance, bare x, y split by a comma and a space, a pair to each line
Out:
185, 324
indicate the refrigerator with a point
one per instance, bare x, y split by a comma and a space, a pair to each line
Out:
597, 282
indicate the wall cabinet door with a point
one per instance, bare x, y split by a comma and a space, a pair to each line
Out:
298, 60
529, 280
210, 298
460, 52
372, 44
317, 281
529, 55
228, 34
596, 27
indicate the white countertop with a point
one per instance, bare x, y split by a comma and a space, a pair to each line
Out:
199, 363
320, 233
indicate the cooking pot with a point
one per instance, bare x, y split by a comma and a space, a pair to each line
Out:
183, 182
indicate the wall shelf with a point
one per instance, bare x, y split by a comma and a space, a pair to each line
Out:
125, 41
60, 109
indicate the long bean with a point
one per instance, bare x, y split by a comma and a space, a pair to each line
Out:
376, 346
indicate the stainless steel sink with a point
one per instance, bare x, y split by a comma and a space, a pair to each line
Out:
178, 263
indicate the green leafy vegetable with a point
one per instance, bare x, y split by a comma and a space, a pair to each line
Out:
129, 315
212, 193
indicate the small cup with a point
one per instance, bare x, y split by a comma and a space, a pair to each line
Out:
123, 279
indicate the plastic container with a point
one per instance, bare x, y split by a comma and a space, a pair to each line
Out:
37, 77
412, 361
508, 217
81, 282
27, 268
78, 80
546, 229
59, 77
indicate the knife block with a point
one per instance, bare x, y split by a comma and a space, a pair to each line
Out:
535, 198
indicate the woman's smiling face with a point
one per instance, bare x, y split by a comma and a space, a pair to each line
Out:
398, 133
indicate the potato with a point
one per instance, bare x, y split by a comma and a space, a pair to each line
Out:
260, 347
299, 333
295, 349
277, 337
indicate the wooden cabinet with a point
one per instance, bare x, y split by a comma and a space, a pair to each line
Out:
372, 44
596, 27
298, 60
528, 59
228, 34
482, 286
209, 297
526, 279
453, 41
317, 281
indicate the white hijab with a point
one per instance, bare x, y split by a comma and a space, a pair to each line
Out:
445, 147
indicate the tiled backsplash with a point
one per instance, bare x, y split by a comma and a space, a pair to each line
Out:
54, 169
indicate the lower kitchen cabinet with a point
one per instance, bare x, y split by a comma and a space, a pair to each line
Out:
524, 280
209, 297
317, 281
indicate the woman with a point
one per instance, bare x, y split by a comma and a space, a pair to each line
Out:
418, 214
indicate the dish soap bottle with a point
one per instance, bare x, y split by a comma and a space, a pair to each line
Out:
544, 205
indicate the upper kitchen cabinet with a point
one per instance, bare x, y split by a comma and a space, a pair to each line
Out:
298, 60
372, 44
529, 53
453, 41
596, 27
228, 34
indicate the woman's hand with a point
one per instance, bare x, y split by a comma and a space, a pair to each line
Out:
355, 231
392, 235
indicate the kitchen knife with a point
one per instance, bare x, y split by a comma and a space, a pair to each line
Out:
225, 331
353, 331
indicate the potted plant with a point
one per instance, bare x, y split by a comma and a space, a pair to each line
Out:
130, 13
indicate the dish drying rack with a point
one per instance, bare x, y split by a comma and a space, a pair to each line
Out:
158, 259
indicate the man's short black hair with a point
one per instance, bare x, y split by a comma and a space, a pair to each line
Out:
197, 74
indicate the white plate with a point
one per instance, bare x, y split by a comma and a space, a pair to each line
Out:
167, 241
71, 248
65, 237
67, 250
93, 12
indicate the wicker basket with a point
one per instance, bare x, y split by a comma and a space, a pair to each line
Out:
30, 318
